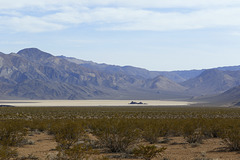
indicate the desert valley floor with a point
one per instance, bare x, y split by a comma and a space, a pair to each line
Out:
114, 132
76, 103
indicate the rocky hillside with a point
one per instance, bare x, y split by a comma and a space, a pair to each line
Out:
162, 83
176, 76
34, 74
212, 81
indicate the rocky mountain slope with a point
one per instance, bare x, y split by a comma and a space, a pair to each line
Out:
128, 70
163, 83
230, 97
34, 74
212, 81
176, 76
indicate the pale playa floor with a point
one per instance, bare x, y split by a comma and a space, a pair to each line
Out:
75, 103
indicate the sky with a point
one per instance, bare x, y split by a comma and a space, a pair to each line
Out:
160, 35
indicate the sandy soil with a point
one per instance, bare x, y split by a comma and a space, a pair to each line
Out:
67, 103
44, 146
177, 149
214, 148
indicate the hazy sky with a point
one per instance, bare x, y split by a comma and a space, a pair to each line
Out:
152, 34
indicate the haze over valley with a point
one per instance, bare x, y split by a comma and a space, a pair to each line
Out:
35, 74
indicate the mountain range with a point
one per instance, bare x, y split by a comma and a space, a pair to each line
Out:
34, 74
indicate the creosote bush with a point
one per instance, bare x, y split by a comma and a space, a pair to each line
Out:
116, 134
67, 133
148, 152
192, 132
12, 133
231, 136
7, 153
76, 152
70, 137
153, 129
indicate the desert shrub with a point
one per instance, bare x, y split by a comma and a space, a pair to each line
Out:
70, 137
67, 133
151, 134
231, 137
148, 152
76, 152
12, 133
192, 133
174, 126
115, 134
194, 137
211, 128
7, 153
40, 125
153, 129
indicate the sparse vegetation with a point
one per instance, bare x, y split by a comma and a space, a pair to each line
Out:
116, 134
12, 133
192, 132
148, 152
7, 153
231, 136
116, 130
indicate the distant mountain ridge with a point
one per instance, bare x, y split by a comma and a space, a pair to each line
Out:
231, 96
176, 76
213, 81
34, 74
162, 83
34, 55
129, 70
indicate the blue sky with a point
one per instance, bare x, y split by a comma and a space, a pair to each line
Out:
153, 34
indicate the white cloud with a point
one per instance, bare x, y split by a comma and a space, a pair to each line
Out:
118, 14
28, 24
139, 19
119, 3
163, 3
